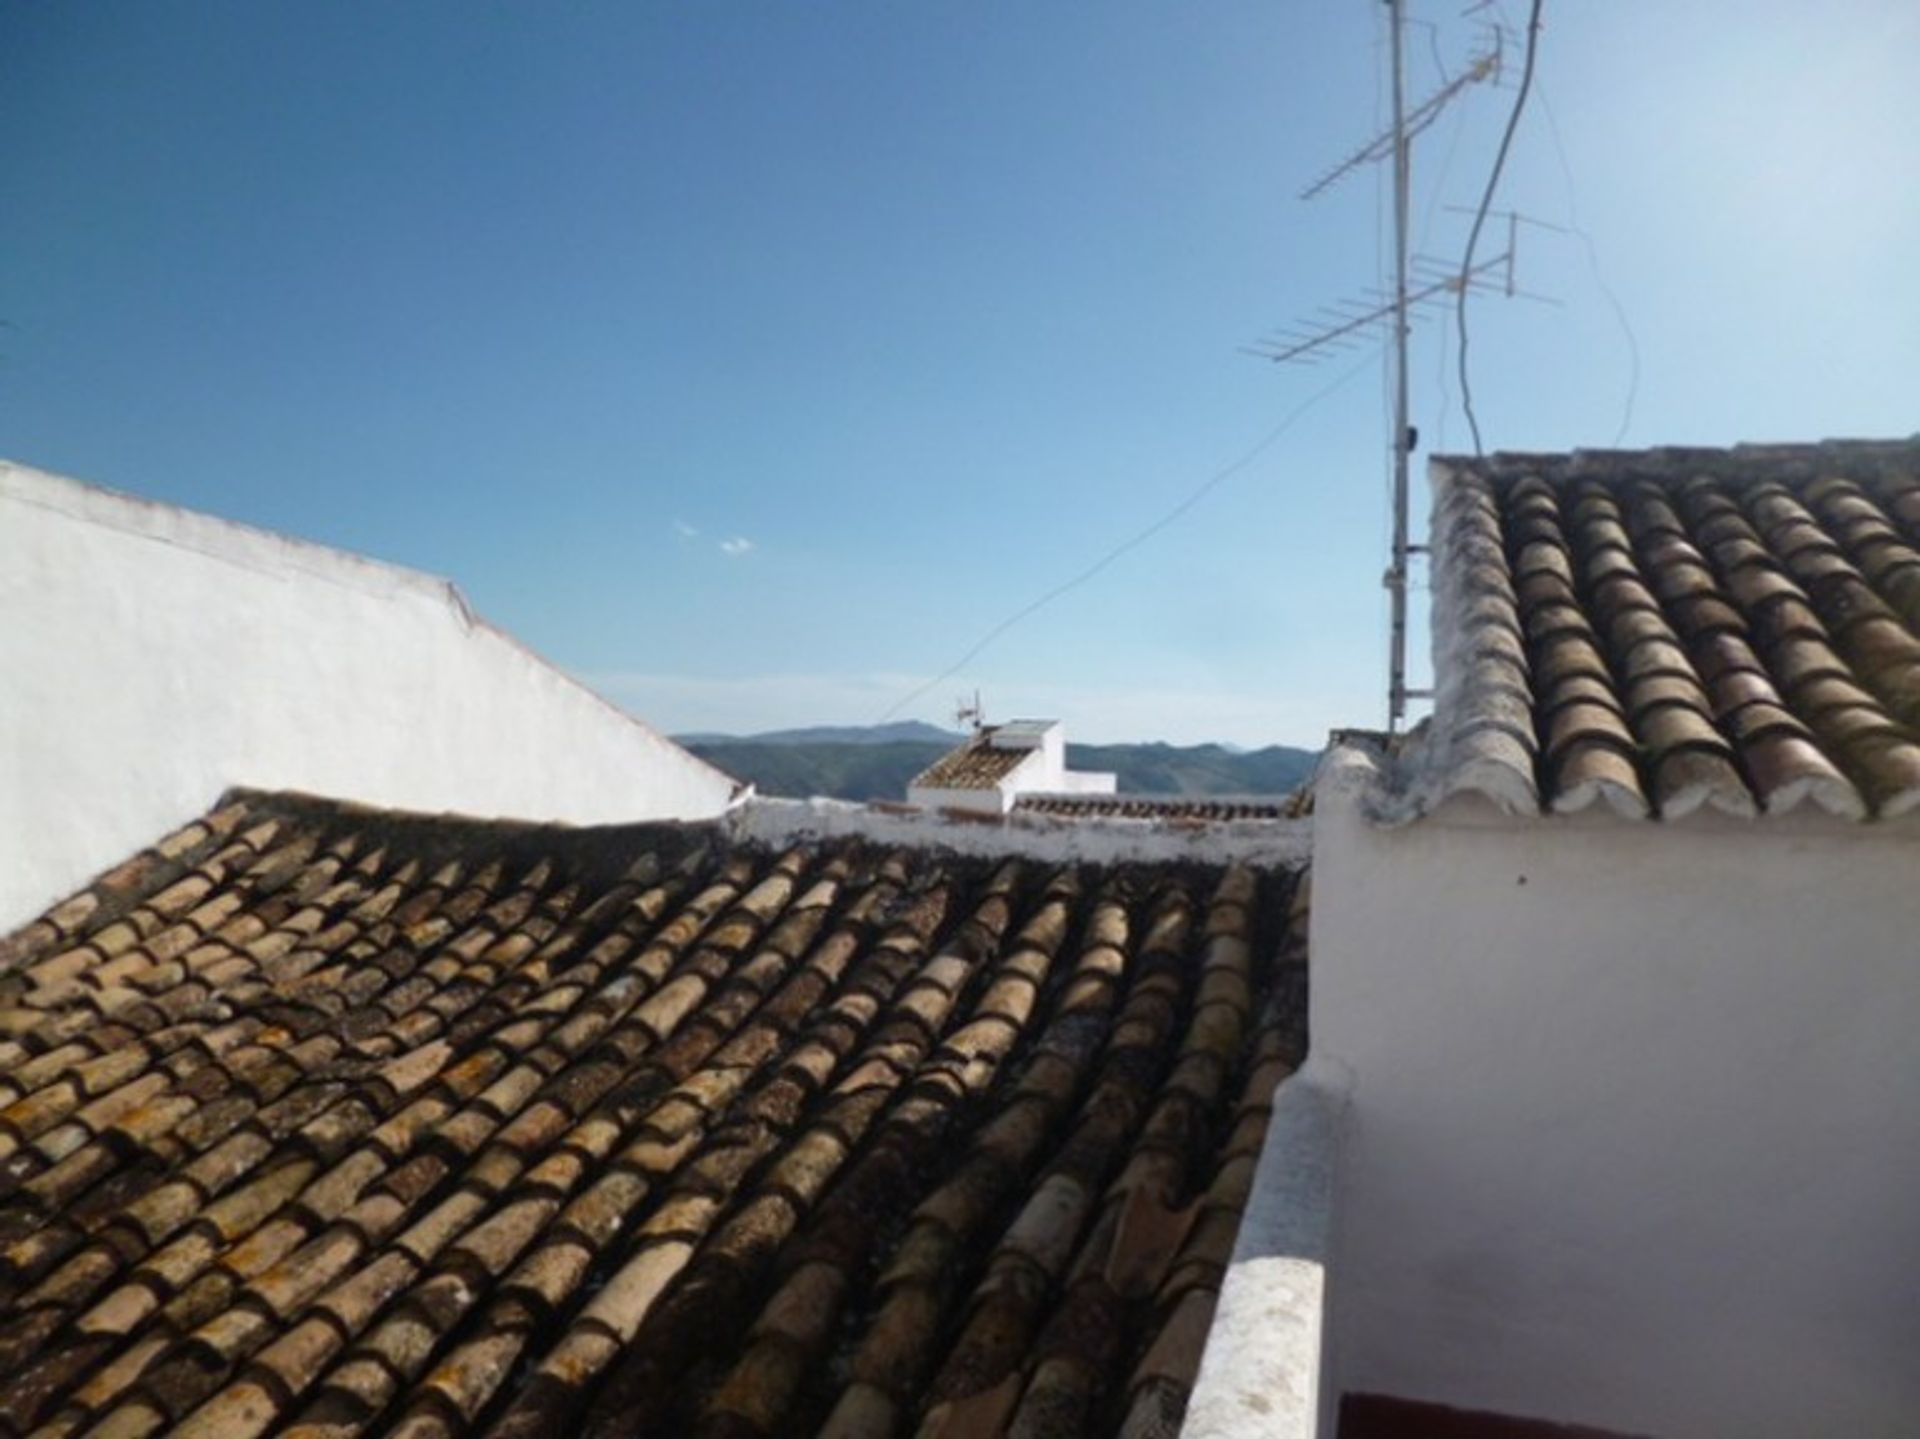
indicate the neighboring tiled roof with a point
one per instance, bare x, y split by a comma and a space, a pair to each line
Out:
973, 765
1676, 628
325, 1121
1142, 806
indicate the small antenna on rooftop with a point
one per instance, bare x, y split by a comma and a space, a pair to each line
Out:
971, 717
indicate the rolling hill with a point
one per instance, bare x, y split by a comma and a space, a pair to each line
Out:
857, 764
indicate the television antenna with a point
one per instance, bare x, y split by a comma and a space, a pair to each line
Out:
1418, 282
970, 717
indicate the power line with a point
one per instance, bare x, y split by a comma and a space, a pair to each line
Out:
1599, 278
1480, 217
1579, 232
1433, 49
1199, 493
1439, 190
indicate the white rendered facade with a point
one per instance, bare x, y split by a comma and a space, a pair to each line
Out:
1633, 1130
154, 656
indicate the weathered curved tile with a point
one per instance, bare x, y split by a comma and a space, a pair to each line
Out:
1736, 630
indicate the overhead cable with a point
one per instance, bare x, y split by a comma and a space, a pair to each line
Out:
1140, 537
1480, 217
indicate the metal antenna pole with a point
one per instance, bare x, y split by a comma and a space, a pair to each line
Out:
1402, 434
1351, 322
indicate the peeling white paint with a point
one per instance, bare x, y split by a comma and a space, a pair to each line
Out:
152, 657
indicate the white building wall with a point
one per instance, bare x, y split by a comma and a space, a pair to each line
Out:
1095, 840
1087, 781
997, 800
1635, 1130
1053, 750
1264, 1370
151, 657
1051, 775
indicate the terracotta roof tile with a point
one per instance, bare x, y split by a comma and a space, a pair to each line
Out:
1201, 809
976, 764
1671, 630
437, 1127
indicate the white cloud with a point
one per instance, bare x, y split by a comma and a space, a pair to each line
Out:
735, 547
685, 530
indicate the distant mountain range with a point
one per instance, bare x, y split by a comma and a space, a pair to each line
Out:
876, 762
901, 731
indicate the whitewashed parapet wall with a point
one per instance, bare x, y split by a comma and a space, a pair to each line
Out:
1634, 1136
150, 657
1092, 840
1263, 1375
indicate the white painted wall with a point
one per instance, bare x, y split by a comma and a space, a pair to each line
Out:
1088, 840
1088, 781
997, 799
1263, 1375
1635, 1129
150, 657
1051, 775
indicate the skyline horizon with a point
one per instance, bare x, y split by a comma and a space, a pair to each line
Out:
759, 363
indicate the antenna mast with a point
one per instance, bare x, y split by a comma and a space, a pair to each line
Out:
1336, 327
1396, 577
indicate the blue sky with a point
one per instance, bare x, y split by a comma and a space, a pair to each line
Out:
750, 361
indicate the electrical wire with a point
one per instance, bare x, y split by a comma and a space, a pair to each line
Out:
1579, 232
1439, 191
1480, 218
1433, 49
1599, 277
1199, 493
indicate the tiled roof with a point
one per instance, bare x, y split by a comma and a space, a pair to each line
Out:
973, 765
1672, 629
1136, 806
327, 1122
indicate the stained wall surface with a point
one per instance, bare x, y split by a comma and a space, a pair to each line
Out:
153, 657
1634, 1138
